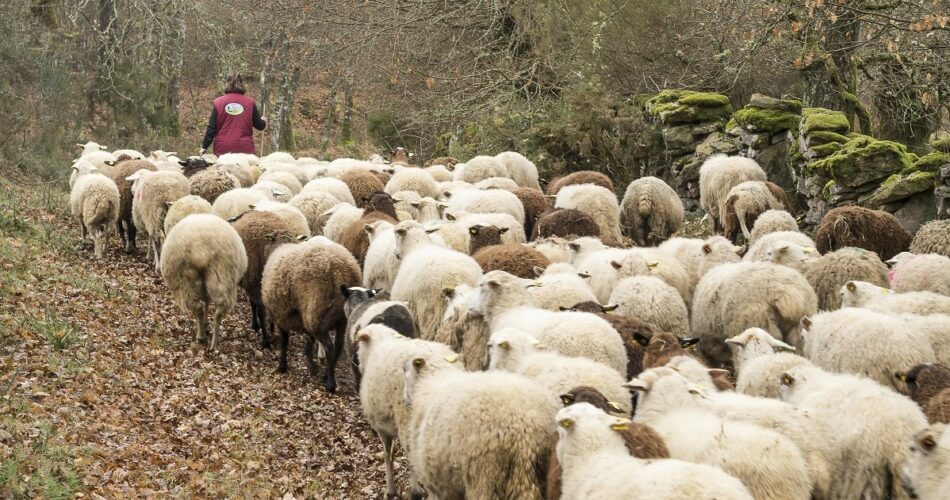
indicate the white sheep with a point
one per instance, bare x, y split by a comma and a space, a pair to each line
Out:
921, 273
94, 201
101, 160
828, 273
273, 190
769, 464
90, 147
476, 434
284, 178
792, 255
555, 248
380, 265
871, 296
869, 425
598, 202
336, 187
419, 283
153, 191
926, 474
717, 175
412, 179
183, 207
520, 169
518, 352
479, 168
561, 286
865, 343
203, 259
339, 218
293, 217
653, 301
654, 262
734, 297
599, 265
596, 464
462, 328
762, 245
651, 211
497, 183
486, 201
505, 303
439, 173
312, 206
699, 256
772, 221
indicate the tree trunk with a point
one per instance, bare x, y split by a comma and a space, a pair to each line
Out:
346, 125
172, 92
282, 136
105, 53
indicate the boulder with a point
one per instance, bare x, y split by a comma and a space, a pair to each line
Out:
916, 211
900, 186
762, 101
863, 160
677, 107
678, 138
815, 119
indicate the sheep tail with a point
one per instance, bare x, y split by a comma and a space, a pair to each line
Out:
645, 206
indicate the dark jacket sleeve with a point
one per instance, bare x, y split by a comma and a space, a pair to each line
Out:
211, 130
259, 123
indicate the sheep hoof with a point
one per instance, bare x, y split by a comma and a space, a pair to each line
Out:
331, 387
281, 368
417, 493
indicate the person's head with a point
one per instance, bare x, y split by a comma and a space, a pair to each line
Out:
235, 83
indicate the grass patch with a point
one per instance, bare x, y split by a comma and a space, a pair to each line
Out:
59, 333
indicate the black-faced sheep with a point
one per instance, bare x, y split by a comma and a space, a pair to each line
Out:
873, 230
366, 306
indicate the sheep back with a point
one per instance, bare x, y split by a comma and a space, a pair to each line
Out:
651, 211
260, 232
211, 183
581, 177
851, 226
514, 258
932, 237
828, 273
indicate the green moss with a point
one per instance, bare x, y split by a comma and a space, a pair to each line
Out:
862, 160
932, 162
673, 107
826, 136
898, 187
826, 191
704, 99
941, 144
795, 105
823, 150
766, 120
824, 119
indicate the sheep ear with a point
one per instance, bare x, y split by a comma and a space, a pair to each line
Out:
783, 249
362, 337
609, 307
902, 376
473, 230
786, 379
636, 384
376, 291
415, 204
431, 230
169, 204
735, 341
183, 163
111, 163
927, 442
448, 293
641, 338
565, 308
418, 363
449, 217
566, 422
567, 399
778, 344
80, 146
707, 249
345, 291
452, 358
696, 390
538, 270
75, 168
615, 264
717, 373
494, 284
806, 322
615, 406
503, 230
369, 229
302, 237
442, 205
584, 275
504, 344
851, 286
689, 342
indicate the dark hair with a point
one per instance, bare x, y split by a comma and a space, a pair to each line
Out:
235, 83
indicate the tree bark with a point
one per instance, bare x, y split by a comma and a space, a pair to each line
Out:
282, 136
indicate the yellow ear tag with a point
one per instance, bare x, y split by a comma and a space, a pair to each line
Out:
808, 250
566, 423
452, 358
620, 426
902, 376
504, 345
786, 380
885, 291
613, 405
653, 265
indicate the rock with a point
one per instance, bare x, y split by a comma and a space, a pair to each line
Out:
705, 129
824, 119
676, 107
762, 101
940, 141
917, 211
678, 138
863, 160
771, 121
932, 162
774, 160
898, 187
942, 199
716, 143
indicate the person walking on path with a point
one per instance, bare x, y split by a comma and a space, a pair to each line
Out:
234, 116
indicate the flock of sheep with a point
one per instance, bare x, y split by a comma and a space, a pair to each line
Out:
521, 343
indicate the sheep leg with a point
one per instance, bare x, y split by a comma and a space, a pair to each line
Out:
148, 249
388, 448
200, 315
219, 313
156, 254
130, 237
85, 232
97, 243
262, 320
284, 340
255, 325
308, 350
743, 226
324, 339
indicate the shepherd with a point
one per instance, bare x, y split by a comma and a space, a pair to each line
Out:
234, 116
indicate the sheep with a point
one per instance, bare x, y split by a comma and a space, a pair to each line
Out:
419, 283
744, 203
828, 273
871, 296
922, 273
299, 287
336, 187
102, 160
261, 233
514, 230
366, 306
932, 237
631, 331
379, 201
242, 174
361, 185
560, 286
599, 265
439, 173
556, 249
120, 174
428, 210
237, 201
508, 424
504, 302
699, 256
759, 250
477, 201
183, 207
211, 183
717, 176
660, 347
273, 190
596, 464
769, 464
565, 223
462, 329
868, 424
926, 474
517, 259
853, 226
929, 386
153, 191
866, 343
520, 169
650, 299
652, 262
772, 221
412, 179
293, 217
517, 352
382, 354
580, 177
339, 218
734, 297
791, 255
94, 200
479, 168
312, 205
640, 440
203, 259
380, 264
534, 203
356, 239
598, 202
651, 211
497, 183
90, 147
285, 179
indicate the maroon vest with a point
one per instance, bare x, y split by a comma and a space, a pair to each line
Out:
235, 124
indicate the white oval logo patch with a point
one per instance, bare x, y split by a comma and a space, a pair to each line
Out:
233, 108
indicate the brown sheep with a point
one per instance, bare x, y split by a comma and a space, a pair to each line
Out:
447, 161
261, 232
828, 273
744, 204
566, 223
211, 183
484, 236
355, 237
641, 440
779, 195
663, 346
379, 201
382, 176
535, 204
401, 157
514, 258
929, 387
300, 288
362, 184
629, 329
581, 177
873, 230
125, 226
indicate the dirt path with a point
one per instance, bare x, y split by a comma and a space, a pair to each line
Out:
103, 393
